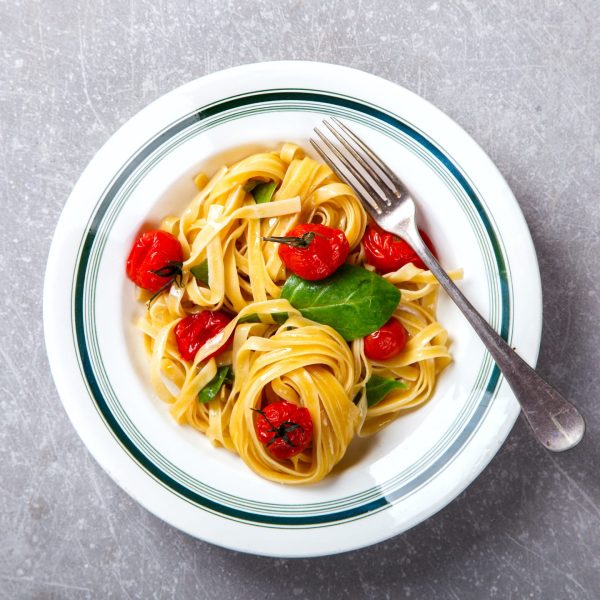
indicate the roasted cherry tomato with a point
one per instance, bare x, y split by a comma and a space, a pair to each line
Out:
194, 331
388, 253
284, 428
312, 251
155, 260
387, 342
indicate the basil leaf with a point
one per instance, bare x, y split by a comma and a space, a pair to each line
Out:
354, 301
278, 317
229, 378
251, 318
379, 387
201, 271
211, 389
264, 192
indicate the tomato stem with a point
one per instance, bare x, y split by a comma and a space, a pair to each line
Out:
173, 270
303, 241
281, 431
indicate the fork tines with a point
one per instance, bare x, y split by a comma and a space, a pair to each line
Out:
372, 179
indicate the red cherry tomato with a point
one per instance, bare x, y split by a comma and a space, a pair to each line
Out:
313, 251
388, 253
155, 260
194, 331
387, 342
284, 428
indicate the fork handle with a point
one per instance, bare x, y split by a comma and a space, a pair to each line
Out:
556, 423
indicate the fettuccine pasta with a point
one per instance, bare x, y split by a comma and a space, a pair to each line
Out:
266, 350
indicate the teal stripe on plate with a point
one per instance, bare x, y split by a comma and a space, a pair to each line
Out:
279, 520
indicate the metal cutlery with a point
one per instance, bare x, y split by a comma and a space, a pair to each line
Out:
555, 422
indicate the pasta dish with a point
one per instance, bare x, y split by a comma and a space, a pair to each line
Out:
281, 322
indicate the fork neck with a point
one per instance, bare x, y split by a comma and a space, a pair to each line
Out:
401, 222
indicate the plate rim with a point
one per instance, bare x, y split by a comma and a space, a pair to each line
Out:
108, 208
286, 65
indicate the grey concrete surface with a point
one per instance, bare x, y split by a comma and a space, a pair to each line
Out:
522, 77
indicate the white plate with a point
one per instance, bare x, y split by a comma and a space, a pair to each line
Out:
385, 484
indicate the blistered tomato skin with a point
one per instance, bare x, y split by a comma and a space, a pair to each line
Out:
193, 331
324, 250
388, 341
285, 429
388, 253
154, 251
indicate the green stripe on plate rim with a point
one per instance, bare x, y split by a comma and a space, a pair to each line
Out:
120, 201
357, 110
116, 408
101, 239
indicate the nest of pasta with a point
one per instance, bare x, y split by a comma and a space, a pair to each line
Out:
275, 345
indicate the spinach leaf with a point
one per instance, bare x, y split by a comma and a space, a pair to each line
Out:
201, 271
379, 387
354, 301
263, 192
211, 389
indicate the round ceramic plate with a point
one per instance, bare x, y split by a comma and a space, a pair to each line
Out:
385, 484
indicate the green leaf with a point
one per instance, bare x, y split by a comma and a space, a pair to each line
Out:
229, 378
211, 389
201, 271
263, 192
379, 387
354, 301
251, 318
278, 317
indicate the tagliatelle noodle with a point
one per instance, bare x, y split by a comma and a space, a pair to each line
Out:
277, 353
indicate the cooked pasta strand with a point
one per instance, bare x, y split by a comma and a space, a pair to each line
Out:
300, 361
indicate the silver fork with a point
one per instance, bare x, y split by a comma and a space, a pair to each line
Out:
555, 422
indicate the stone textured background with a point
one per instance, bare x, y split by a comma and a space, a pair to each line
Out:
522, 77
